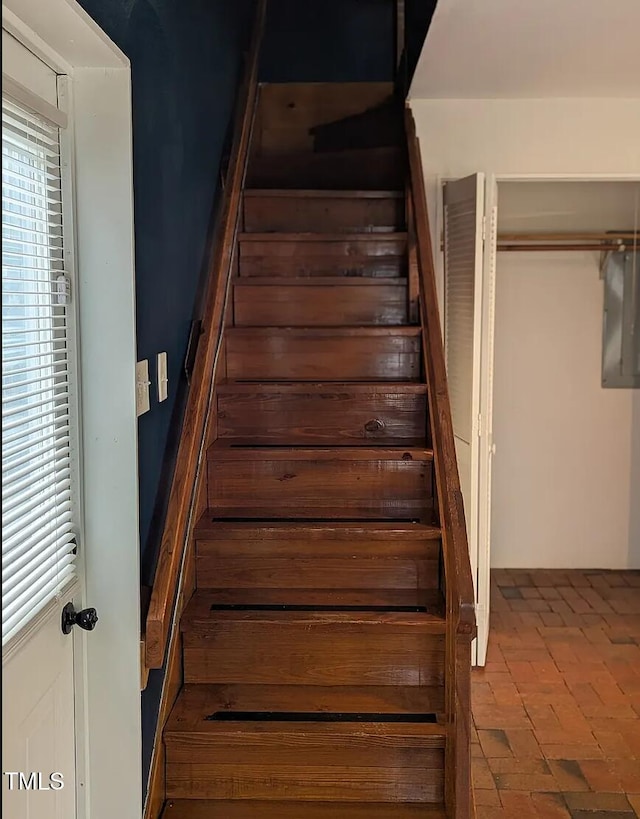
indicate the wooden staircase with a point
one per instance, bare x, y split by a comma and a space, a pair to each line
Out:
321, 677
314, 644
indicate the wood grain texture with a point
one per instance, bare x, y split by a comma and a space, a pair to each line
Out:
288, 744
325, 483
247, 809
203, 609
349, 557
288, 111
461, 624
308, 254
338, 415
312, 647
323, 211
319, 303
316, 354
182, 496
335, 414
370, 168
209, 781
319, 572
196, 702
402, 535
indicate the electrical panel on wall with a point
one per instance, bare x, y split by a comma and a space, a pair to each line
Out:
621, 324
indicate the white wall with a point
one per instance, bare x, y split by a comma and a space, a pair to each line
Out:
546, 48
549, 137
554, 138
561, 473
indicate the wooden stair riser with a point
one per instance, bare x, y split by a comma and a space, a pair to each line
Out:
289, 652
246, 809
306, 760
319, 572
295, 415
303, 743
206, 780
302, 484
297, 255
319, 305
373, 169
323, 355
322, 212
316, 555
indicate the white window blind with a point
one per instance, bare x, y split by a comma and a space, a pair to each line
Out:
38, 536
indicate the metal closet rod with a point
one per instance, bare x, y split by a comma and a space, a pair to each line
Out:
615, 240
567, 241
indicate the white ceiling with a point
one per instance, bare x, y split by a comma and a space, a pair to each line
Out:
490, 49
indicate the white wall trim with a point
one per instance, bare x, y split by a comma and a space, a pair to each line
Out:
18, 92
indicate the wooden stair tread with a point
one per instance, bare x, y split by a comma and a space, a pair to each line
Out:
211, 528
249, 809
223, 450
360, 387
196, 702
324, 193
327, 332
362, 236
346, 606
319, 281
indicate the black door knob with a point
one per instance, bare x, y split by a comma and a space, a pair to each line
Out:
86, 619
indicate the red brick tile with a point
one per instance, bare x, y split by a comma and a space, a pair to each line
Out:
525, 782
629, 772
511, 765
550, 805
491, 716
490, 812
568, 775
523, 743
494, 743
601, 776
613, 744
481, 774
582, 751
613, 802
634, 801
558, 704
518, 805
487, 797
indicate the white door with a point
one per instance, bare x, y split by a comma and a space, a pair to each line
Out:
41, 498
464, 212
74, 63
486, 446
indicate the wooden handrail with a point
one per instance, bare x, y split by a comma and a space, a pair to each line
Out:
182, 497
459, 594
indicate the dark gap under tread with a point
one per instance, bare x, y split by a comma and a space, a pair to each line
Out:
319, 608
318, 716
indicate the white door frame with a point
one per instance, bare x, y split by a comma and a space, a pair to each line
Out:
107, 661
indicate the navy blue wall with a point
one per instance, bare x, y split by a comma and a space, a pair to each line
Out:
418, 14
329, 41
185, 63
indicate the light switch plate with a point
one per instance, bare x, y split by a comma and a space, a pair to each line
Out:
142, 387
163, 379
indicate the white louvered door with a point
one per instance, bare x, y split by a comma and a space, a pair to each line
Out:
463, 257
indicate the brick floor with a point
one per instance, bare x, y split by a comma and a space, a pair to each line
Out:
557, 707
